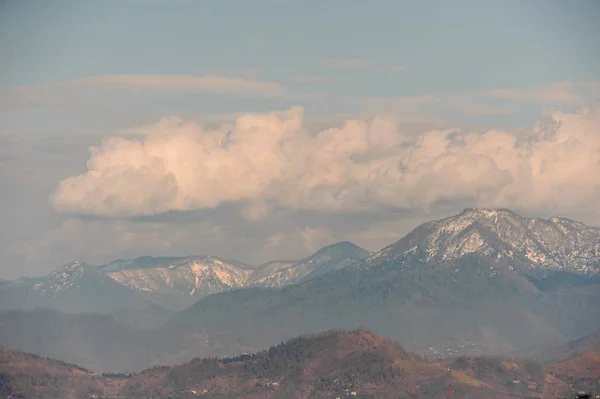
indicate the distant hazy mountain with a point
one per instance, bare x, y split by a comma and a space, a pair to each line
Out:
333, 257
187, 278
172, 282
94, 340
75, 287
328, 365
146, 317
588, 344
481, 281
461, 285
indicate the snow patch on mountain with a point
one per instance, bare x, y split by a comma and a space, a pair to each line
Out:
62, 279
553, 244
194, 277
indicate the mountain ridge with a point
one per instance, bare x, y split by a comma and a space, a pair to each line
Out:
177, 282
333, 363
499, 304
532, 244
473, 301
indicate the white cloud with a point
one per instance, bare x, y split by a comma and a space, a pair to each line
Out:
272, 160
308, 78
349, 63
485, 102
216, 84
557, 93
73, 92
400, 102
247, 73
361, 63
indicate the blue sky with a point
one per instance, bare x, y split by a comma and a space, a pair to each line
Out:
445, 47
406, 49
81, 71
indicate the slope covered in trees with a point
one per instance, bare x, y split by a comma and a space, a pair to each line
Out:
332, 364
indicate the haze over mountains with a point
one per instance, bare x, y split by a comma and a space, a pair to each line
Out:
482, 281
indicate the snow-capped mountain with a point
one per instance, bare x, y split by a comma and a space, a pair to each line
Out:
489, 279
63, 278
269, 269
193, 276
495, 240
199, 276
74, 276
333, 257
75, 287
500, 235
173, 282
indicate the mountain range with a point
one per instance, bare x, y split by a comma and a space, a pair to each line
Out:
482, 281
328, 365
172, 282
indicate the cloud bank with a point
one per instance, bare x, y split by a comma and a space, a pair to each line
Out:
267, 161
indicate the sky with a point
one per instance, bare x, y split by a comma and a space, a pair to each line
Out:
265, 130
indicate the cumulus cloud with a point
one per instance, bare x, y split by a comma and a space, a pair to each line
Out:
267, 161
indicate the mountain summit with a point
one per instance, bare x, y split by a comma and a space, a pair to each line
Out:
64, 278
531, 244
327, 259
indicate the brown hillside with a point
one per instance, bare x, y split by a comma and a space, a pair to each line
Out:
24, 375
329, 365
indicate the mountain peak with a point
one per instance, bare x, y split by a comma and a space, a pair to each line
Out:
557, 243
487, 212
332, 257
73, 266
342, 247
63, 278
485, 215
